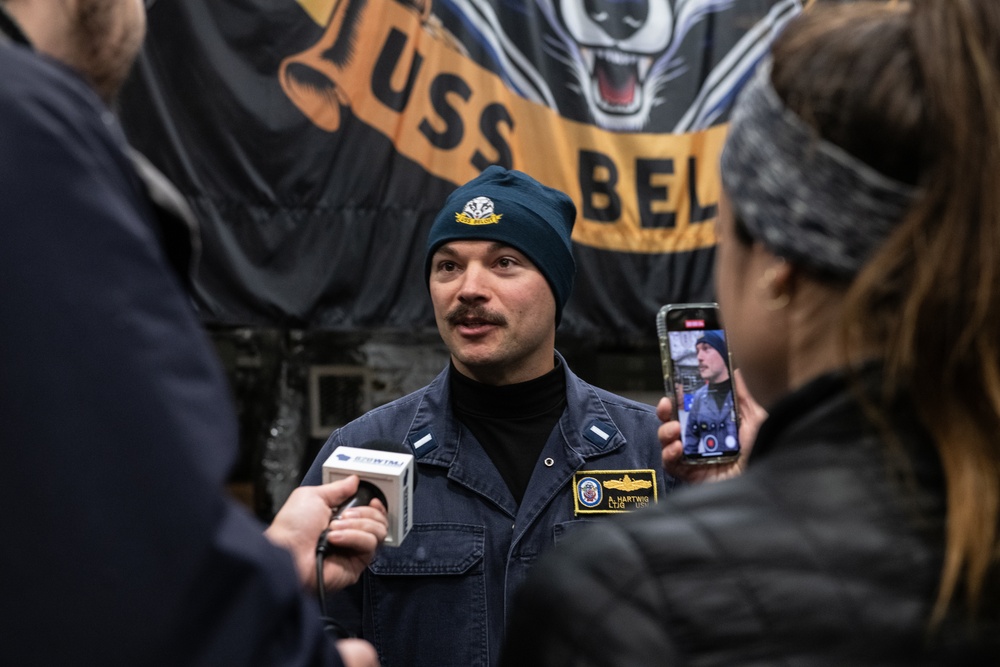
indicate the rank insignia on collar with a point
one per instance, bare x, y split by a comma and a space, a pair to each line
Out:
613, 491
423, 443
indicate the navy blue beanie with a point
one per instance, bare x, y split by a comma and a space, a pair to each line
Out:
715, 339
512, 208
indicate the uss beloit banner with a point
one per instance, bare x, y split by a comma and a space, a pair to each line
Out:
316, 139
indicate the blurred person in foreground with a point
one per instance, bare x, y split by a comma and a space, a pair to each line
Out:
859, 280
121, 546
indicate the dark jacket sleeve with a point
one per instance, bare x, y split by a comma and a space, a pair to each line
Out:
591, 602
121, 546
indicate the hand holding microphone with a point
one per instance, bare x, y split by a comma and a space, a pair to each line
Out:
348, 544
386, 476
387, 472
366, 493
306, 514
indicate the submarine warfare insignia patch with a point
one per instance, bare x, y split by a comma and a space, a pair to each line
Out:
613, 491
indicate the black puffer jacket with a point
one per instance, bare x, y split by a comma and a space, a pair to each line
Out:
821, 554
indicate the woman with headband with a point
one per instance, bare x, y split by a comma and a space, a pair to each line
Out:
858, 273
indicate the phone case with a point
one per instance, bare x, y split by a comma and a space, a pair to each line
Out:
710, 426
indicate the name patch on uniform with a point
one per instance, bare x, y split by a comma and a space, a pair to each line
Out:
613, 491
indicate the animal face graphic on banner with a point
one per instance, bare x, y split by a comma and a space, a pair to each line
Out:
619, 103
623, 57
620, 54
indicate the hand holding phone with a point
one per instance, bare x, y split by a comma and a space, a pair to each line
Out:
697, 374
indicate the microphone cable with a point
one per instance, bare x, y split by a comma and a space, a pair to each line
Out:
333, 629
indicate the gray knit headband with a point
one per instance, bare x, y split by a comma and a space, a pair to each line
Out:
804, 198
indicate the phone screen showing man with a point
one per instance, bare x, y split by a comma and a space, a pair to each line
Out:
703, 385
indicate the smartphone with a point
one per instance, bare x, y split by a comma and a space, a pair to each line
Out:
697, 374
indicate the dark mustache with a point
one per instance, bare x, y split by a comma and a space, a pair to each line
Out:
467, 312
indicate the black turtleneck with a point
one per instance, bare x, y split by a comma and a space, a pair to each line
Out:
719, 391
512, 422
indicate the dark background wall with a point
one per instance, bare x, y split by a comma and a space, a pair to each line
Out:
315, 141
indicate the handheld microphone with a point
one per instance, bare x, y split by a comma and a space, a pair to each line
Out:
387, 472
366, 493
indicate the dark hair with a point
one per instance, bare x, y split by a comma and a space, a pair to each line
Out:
913, 89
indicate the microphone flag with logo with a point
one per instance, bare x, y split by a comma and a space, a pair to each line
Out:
387, 472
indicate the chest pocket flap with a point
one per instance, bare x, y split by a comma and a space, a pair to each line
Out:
433, 548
